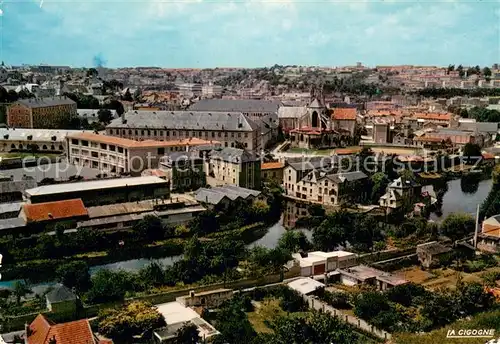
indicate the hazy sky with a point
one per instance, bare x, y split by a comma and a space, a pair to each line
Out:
249, 33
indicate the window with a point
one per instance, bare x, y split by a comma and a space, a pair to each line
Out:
136, 132
246, 135
246, 145
225, 144
103, 146
154, 132
95, 154
161, 151
232, 135
239, 134
225, 134
85, 143
142, 132
112, 148
213, 134
120, 149
130, 132
74, 142
174, 133
219, 134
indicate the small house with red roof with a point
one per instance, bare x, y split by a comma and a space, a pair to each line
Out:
44, 331
344, 119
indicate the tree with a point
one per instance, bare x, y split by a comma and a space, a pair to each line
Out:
127, 96
233, 323
150, 227
457, 225
188, 334
406, 294
152, 275
105, 116
440, 308
136, 318
473, 298
4, 95
487, 73
92, 72
316, 327
460, 70
115, 105
369, 304
108, 286
333, 231
472, 150
379, 182
74, 275
293, 241
20, 290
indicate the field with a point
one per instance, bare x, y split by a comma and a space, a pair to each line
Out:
439, 278
396, 150
486, 321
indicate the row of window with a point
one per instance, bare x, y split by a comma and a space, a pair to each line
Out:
146, 132
103, 146
39, 147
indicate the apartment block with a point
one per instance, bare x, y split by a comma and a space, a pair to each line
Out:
48, 113
234, 167
119, 155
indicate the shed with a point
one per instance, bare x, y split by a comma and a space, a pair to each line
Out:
305, 286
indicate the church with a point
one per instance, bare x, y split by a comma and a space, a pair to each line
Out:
316, 129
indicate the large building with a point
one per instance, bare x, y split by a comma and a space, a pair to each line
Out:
234, 166
49, 112
104, 191
231, 129
119, 155
262, 112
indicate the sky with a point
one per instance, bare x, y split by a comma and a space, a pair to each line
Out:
249, 33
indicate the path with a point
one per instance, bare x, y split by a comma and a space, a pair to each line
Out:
359, 323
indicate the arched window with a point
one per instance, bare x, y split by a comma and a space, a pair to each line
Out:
52, 147
61, 147
44, 147
12, 146
315, 120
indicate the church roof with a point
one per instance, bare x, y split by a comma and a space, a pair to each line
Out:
316, 104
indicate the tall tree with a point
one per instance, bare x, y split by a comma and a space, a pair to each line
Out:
188, 334
74, 274
457, 225
105, 116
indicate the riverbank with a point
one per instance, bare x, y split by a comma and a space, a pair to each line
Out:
166, 251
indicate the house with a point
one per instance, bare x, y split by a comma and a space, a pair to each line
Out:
318, 262
61, 300
296, 169
184, 170
272, 172
223, 196
48, 112
305, 286
362, 274
208, 299
399, 191
235, 167
431, 254
331, 189
44, 331
176, 316
489, 238
344, 119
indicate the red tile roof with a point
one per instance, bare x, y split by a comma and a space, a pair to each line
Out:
74, 332
57, 210
271, 165
433, 116
344, 113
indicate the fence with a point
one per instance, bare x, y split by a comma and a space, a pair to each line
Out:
352, 320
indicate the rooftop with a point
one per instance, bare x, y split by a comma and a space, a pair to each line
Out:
54, 210
94, 185
185, 120
60, 293
236, 105
127, 143
22, 134
217, 194
271, 165
344, 114
45, 102
305, 285
233, 155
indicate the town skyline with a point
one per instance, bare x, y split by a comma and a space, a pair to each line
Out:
186, 34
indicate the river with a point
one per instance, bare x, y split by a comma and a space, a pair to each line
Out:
455, 200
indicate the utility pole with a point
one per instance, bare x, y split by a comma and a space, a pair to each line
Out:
477, 228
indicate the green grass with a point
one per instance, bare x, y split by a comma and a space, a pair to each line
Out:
487, 320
